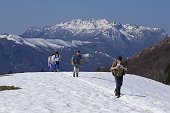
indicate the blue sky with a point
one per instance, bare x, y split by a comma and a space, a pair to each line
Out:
18, 15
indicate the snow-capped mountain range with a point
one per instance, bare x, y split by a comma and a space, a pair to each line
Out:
99, 41
93, 28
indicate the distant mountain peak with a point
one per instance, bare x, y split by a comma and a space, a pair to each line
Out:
85, 24
92, 24
79, 29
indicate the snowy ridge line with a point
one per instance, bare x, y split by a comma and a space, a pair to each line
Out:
46, 43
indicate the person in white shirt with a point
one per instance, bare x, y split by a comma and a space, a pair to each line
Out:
56, 59
50, 64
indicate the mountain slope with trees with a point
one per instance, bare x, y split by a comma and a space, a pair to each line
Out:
153, 62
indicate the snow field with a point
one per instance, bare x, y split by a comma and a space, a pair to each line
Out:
90, 93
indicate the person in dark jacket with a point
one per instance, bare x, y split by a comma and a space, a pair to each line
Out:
76, 59
118, 70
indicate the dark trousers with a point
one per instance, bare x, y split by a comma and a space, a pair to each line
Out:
119, 81
56, 68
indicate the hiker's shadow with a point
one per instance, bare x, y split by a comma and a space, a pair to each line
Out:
134, 95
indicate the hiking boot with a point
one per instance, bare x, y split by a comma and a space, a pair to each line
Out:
118, 96
73, 74
76, 74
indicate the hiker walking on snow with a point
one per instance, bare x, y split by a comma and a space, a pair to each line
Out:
76, 59
55, 59
118, 70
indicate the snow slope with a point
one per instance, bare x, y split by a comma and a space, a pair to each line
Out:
90, 93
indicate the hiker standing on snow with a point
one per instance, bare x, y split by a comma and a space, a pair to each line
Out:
76, 59
50, 64
118, 70
56, 58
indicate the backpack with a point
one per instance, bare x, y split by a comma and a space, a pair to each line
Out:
119, 72
49, 59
